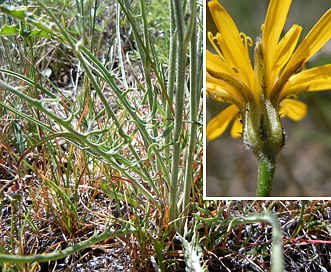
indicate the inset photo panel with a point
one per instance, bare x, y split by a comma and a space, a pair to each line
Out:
267, 99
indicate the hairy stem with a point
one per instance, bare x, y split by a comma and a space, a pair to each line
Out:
266, 173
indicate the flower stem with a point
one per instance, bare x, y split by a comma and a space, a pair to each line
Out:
267, 168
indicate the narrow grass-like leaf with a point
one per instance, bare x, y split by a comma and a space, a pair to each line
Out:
277, 255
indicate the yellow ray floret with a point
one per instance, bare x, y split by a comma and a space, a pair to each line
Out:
275, 79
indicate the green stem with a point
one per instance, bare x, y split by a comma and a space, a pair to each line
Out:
194, 105
179, 101
267, 168
171, 76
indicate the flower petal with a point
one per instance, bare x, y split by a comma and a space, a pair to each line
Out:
237, 128
238, 88
274, 24
271, 30
314, 40
314, 79
220, 122
214, 63
221, 90
287, 45
293, 108
284, 52
233, 49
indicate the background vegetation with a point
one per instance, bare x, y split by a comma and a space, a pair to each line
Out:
97, 172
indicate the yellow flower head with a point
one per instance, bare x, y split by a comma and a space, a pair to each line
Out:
260, 94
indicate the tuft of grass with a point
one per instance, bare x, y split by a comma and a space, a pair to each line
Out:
94, 152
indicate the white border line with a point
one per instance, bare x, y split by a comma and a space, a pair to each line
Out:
205, 197
204, 102
265, 198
